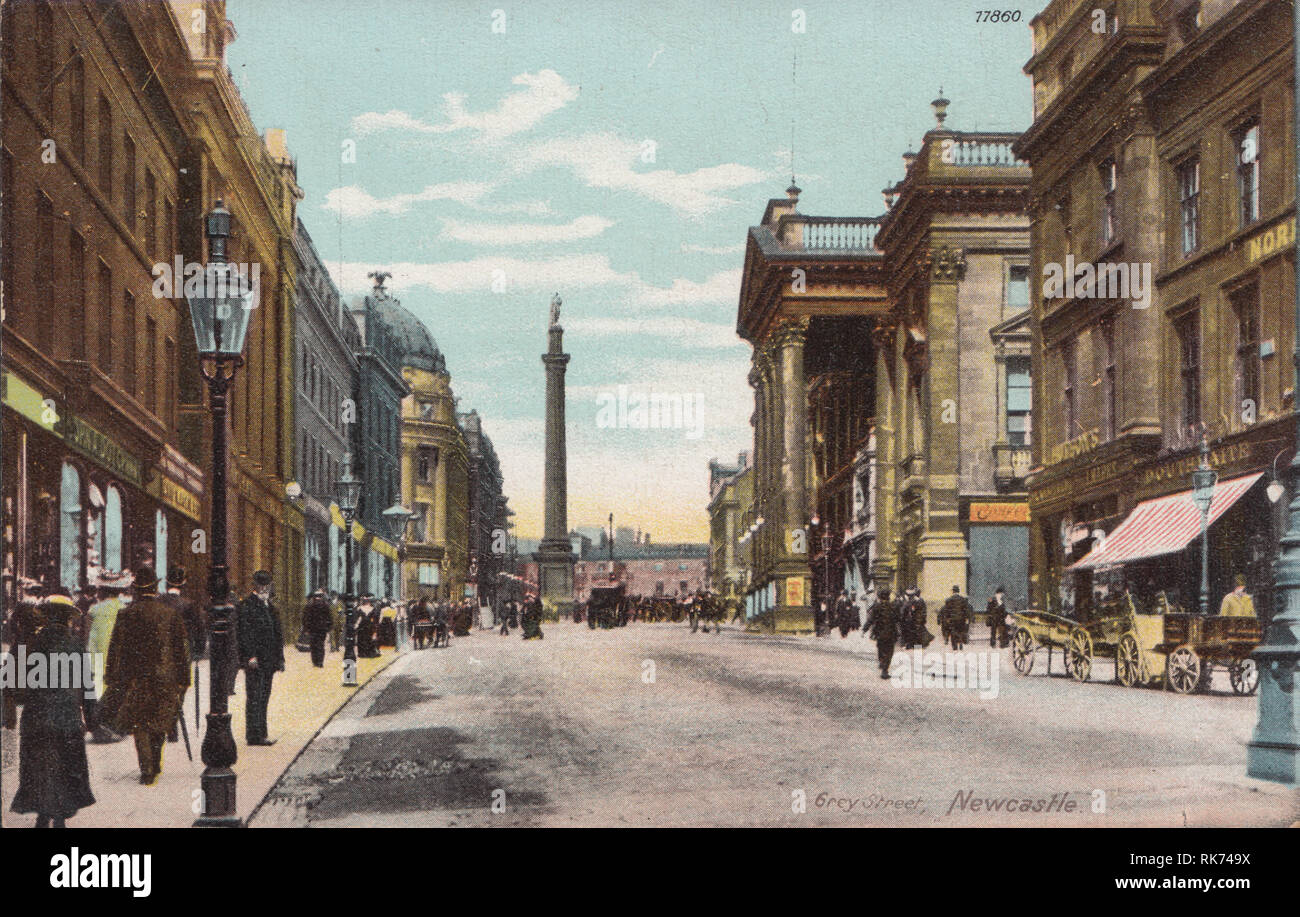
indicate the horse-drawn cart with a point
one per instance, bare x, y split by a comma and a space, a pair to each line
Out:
1176, 648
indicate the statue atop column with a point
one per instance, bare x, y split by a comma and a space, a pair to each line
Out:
556, 302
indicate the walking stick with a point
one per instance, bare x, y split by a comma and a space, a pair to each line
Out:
186, 734
197, 692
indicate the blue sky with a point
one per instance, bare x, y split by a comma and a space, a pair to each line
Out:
616, 153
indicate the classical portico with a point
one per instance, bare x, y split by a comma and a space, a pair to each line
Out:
809, 284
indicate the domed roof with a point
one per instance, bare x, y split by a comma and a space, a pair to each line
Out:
413, 339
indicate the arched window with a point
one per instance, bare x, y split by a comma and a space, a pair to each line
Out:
113, 529
70, 528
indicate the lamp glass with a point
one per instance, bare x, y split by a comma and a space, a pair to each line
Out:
225, 297
348, 491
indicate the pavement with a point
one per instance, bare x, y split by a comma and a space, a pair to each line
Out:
653, 725
303, 698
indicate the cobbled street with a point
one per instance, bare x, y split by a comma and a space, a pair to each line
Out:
654, 725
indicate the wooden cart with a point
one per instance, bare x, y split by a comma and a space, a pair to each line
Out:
1194, 644
1170, 646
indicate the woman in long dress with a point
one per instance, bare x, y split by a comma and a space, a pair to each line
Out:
53, 774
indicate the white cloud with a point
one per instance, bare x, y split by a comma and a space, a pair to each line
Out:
543, 93
722, 287
477, 275
689, 333
691, 248
605, 160
583, 227
355, 202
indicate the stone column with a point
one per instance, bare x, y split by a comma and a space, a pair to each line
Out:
942, 548
884, 339
554, 556
794, 609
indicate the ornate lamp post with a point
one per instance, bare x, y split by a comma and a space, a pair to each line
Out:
1273, 752
220, 317
1203, 480
347, 491
398, 519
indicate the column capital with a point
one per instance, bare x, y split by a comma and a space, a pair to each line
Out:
945, 264
790, 332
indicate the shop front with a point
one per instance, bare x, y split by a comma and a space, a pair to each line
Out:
997, 539
1140, 532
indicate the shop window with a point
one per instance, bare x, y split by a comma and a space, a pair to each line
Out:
113, 529
70, 528
428, 574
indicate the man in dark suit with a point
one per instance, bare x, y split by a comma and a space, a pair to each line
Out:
996, 617
955, 618
316, 621
261, 655
147, 673
882, 622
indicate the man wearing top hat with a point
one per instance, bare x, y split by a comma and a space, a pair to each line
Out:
261, 655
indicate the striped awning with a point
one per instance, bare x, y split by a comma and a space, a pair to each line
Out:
1163, 526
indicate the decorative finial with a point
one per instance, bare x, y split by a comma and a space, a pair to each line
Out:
556, 302
940, 107
379, 277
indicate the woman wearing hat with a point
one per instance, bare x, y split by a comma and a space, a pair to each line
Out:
53, 774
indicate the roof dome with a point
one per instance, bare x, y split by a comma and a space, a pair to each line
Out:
416, 344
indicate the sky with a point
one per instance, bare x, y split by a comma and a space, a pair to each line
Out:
490, 155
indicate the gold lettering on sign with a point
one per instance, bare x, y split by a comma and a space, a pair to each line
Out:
999, 512
1084, 442
1271, 240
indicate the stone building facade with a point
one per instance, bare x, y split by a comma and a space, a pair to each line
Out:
731, 498
325, 377
950, 510
1161, 142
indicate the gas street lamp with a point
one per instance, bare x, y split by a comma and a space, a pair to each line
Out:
347, 491
220, 316
1203, 480
398, 519
1273, 752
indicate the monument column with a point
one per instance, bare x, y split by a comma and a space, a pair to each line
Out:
554, 555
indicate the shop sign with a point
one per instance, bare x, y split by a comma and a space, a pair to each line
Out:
1084, 442
27, 401
1181, 469
1078, 482
102, 449
794, 590
1000, 512
1273, 239
382, 547
180, 499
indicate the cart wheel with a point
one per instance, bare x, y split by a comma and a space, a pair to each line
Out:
1128, 661
1183, 670
1078, 656
1244, 675
1022, 651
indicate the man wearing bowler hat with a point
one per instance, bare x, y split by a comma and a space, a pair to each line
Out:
148, 672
